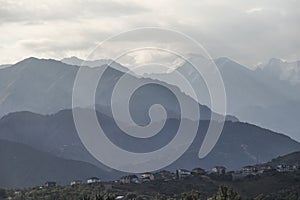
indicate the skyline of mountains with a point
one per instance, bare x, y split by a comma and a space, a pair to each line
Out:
45, 87
259, 96
254, 96
28, 138
35, 116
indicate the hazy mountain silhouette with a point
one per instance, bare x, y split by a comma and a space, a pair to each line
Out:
289, 159
94, 63
24, 166
257, 96
282, 70
45, 87
240, 143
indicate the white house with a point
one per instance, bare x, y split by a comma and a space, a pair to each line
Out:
50, 184
219, 170
264, 168
284, 168
76, 182
296, 166
129, 179
248, 170
93, 180
147, 176
183, 173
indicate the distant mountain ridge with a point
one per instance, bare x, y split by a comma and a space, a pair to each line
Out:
240, 143
257, 96
282, 70
23, 166
289, 159
45, 87
94, 63
47, 133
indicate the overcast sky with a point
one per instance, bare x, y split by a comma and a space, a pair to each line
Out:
249, 32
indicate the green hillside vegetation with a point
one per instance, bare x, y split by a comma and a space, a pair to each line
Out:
271, 186
290, 159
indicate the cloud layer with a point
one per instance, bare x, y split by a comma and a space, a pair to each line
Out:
247, 31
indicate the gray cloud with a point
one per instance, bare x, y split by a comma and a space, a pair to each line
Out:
35, 12
54, 46
247, 31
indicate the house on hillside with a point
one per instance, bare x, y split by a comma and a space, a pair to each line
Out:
76, 182
249, 170
264, 168
198, 171
284, 168
50, 184
93, 180
183, 173
219, 170
167, 175
147, 176
164, 175
296, 167
129, 179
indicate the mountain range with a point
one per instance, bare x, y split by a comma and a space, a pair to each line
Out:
240, 144
45, 87
267, 96
262, 96
23, 166
37, 123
